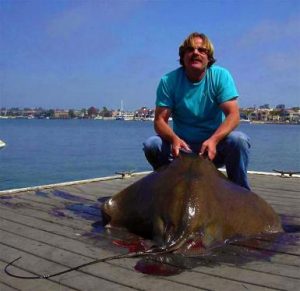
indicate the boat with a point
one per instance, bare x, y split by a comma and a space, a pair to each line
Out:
125, 116
245, 120
2, 144
98, 117
120, 117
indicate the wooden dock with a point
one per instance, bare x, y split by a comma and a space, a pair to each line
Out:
56, 228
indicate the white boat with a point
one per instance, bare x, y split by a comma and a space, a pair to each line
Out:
2, 144
125, 116
98, 117
148, 119
245, 120
119, 117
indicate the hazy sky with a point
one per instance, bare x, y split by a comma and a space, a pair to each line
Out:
82, 53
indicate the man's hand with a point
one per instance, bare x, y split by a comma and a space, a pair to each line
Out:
231, 111
209, 147
178, 144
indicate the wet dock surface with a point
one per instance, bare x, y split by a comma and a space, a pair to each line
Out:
60, 227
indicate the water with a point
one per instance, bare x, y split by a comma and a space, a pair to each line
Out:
50, 151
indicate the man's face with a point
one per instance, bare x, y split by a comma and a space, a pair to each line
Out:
194, 59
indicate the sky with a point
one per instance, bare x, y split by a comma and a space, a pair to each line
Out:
82, 53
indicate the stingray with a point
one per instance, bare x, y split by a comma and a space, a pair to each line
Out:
188, 207
187, 203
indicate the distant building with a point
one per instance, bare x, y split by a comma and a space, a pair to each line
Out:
280, 106
290, 115
144, 113
61, 114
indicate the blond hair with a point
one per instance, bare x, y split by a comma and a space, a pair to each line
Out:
189, 42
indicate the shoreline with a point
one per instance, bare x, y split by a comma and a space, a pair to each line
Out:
137, 119
277, 123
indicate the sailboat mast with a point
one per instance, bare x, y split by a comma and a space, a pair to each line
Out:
122, 106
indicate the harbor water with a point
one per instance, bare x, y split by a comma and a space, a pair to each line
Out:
39, 152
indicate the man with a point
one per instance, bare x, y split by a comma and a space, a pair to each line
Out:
202, 99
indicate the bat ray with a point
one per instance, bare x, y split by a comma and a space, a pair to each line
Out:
190, 203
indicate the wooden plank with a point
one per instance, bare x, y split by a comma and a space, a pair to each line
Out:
37, 253
6, 287
52, 200
112, 184
280, 202
285, 259
283, 196
257, 279
273, 268
78, 224
53, 240
215, 282
262, 275
295, 210
205, 280
281, 193
34, 264
52, 197
28, 285
52, 209
99, 277
269, 180
77, 233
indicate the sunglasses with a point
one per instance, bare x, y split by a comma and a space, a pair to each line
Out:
200, 50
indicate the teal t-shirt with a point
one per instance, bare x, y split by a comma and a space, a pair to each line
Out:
195, 106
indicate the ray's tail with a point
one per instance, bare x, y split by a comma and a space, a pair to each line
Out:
48, 276
151, 251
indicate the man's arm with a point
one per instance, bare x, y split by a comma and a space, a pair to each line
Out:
231, 111
163, 129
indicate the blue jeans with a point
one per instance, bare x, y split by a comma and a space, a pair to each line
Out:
232, 151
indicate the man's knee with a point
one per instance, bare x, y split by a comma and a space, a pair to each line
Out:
238, 139
157, 151
153, 143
